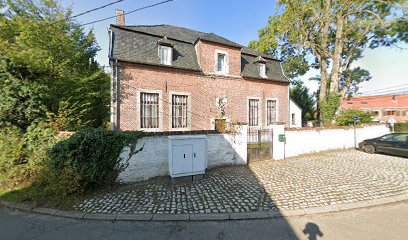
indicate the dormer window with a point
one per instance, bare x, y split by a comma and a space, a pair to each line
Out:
165, 51
262, 69
165, 55
221, 62
261, 66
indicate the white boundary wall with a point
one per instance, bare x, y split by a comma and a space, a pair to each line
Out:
152, 161
316, 140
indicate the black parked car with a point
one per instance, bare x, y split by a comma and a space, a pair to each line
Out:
394, 143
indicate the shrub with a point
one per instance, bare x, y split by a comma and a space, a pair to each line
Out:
22, 155
401, 127
346, 117
328, 108
53, 187
94, 154
11, 154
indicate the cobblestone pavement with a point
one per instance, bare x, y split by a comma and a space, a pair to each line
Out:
309, 181
330, 178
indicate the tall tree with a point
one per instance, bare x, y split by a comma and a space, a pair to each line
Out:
333, 34
47, 68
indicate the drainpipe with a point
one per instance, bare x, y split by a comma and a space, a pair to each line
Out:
112, 119
117, 94
288, 122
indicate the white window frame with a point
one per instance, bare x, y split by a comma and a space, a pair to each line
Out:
224, 71
259, 111
262, 73
138, 113
189, 115
266, 110
170, 55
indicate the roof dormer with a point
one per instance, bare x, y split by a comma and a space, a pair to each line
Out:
261, 66
165, 49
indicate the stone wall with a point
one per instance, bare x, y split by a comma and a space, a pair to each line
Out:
316, 140
152, 161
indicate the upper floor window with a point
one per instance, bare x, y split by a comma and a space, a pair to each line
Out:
165, 55
262, 69
221, 62
221, 66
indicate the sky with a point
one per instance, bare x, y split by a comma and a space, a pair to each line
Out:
236, 20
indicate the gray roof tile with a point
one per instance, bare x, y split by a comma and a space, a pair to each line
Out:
139, 44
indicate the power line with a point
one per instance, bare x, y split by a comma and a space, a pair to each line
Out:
95, 9
380, 90
136, 10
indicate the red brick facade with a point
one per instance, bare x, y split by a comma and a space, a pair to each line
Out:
202, 89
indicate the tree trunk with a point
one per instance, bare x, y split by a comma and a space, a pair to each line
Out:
338, 49
323, 59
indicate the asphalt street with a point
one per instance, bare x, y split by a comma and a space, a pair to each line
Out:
380, 222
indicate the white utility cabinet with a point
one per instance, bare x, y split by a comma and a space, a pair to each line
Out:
187, 155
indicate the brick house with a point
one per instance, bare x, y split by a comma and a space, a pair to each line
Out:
167, 78
381, 107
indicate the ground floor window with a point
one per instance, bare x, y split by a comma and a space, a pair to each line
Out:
271, 112
375, 113
253, 112
179, 111
293, 119
149, 110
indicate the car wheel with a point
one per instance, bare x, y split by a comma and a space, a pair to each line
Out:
369, 149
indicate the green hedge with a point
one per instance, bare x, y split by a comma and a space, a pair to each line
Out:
94, 155
346, 117
401, 127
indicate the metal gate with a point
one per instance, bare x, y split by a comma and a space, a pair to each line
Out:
259, 144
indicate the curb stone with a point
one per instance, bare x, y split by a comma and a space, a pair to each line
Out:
70, 214
134, 217
207, 216
100, 216
171, 217
48, 211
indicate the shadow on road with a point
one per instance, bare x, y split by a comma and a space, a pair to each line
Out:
312, 230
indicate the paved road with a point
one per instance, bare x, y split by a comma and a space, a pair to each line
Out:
381, 222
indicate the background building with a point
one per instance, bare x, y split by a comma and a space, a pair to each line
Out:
382, 107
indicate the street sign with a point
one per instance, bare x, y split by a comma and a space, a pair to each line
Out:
355, 118
282, 138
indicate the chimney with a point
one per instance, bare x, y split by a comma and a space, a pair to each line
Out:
120, 17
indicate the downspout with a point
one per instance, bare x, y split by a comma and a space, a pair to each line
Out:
112, 101
288, 123
117, 96
114, 86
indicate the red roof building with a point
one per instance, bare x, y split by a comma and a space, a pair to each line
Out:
381, 107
